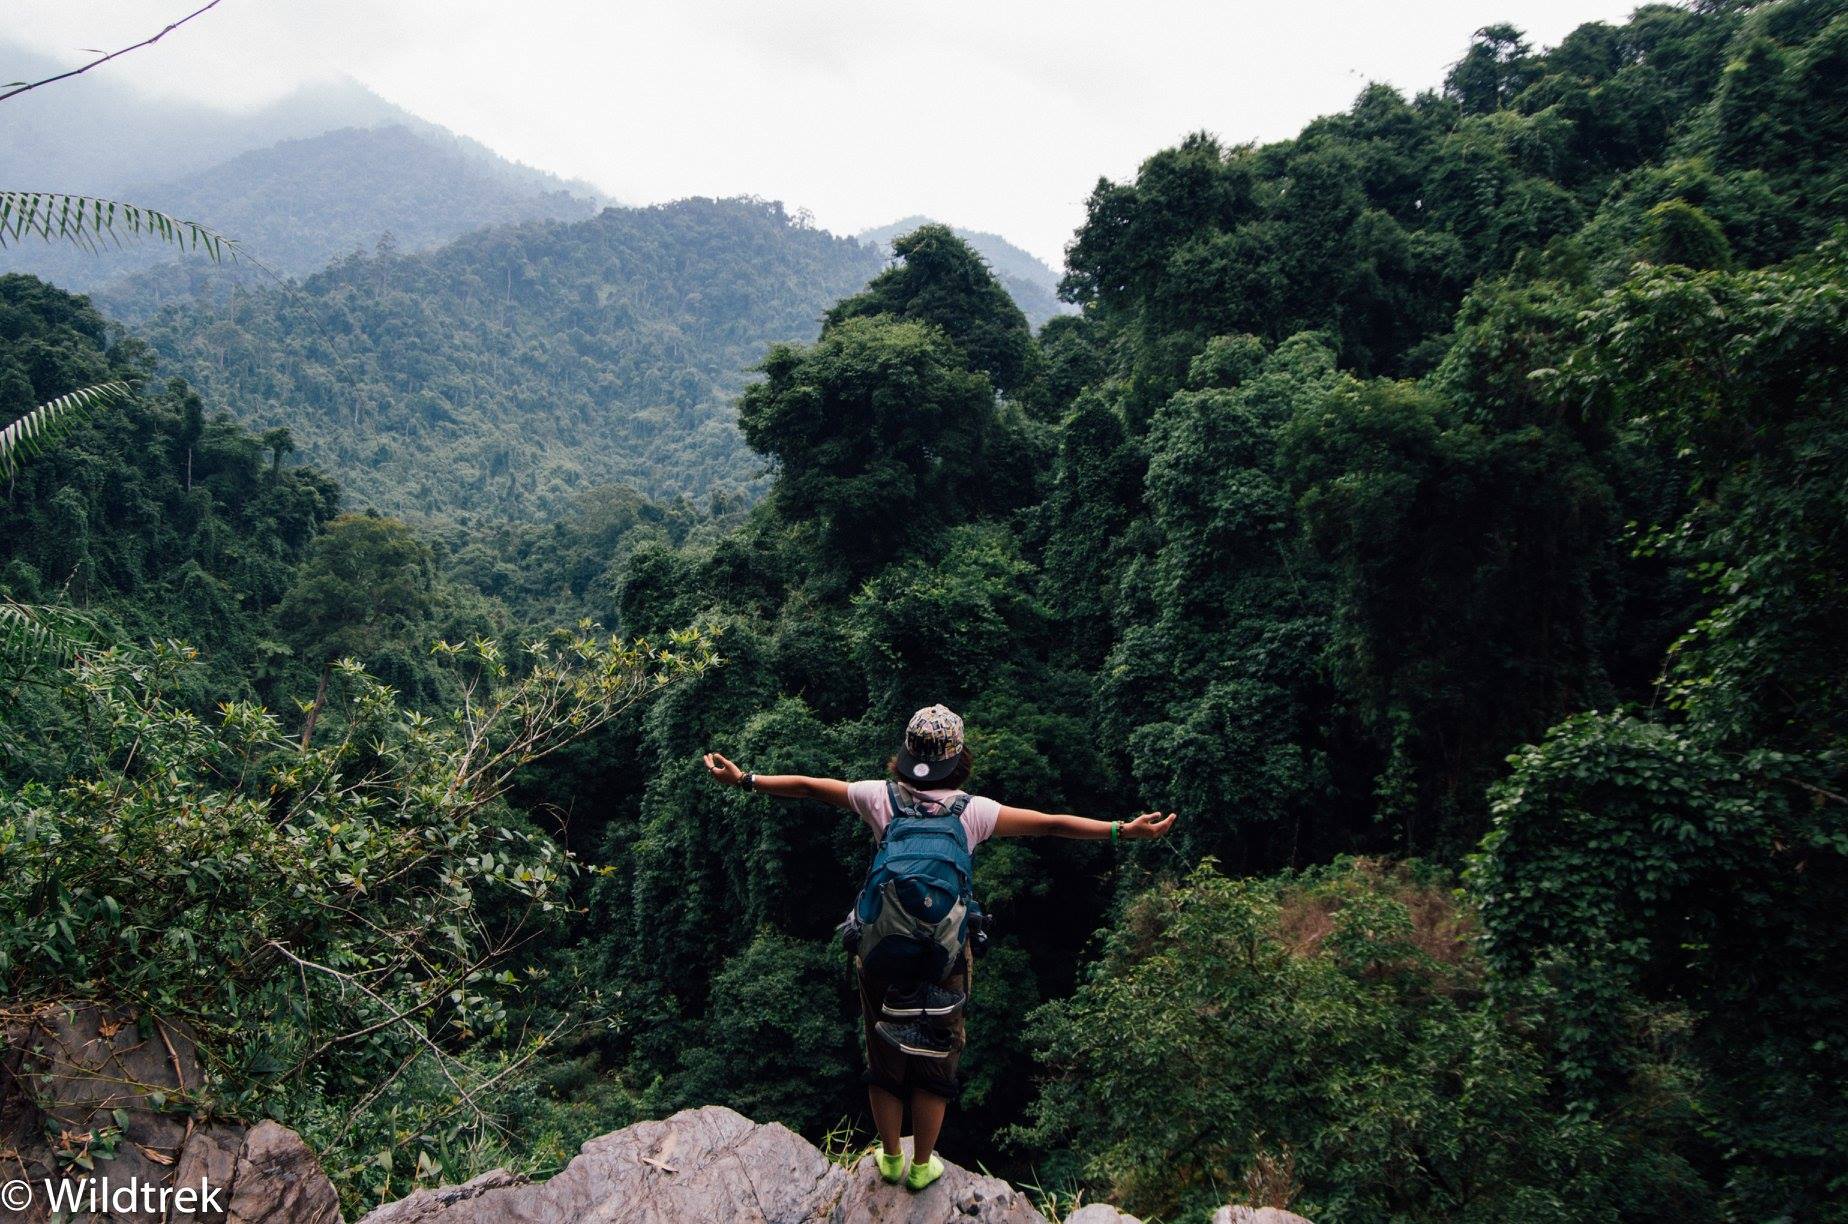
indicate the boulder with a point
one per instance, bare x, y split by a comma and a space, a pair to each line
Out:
1100, 1213
700, 1164
1256, 1215
958, 1195
85, 1080
711, 1164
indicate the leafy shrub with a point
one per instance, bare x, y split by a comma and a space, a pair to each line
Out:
327, 916
1326, 1029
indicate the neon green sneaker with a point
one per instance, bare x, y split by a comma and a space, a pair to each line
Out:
922, 1175
890, 1167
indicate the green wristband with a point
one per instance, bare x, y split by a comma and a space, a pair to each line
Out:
1114, 826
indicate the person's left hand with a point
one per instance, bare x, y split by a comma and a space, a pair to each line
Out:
722, 770
1147, 827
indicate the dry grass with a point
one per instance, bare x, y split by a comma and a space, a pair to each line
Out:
1443, 931
1270, 1179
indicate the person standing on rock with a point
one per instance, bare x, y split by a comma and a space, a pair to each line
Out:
912, 928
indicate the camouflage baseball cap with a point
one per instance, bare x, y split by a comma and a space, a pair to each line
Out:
933, 746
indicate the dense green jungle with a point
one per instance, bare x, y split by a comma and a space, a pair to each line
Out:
1444, 510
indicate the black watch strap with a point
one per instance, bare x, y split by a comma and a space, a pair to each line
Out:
747, 779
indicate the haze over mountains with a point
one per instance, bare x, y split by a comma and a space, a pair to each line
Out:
319, 173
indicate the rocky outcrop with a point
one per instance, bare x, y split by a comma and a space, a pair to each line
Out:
81, 1085
711, 1164
958, 1195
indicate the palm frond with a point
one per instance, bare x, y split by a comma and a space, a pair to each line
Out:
88, 222
41, 635
30, 434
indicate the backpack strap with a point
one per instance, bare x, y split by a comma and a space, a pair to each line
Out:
899, 808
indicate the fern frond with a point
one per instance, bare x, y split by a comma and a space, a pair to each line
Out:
30, 434
41, 635
87, 221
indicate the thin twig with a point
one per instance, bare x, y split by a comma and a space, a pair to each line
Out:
23, 86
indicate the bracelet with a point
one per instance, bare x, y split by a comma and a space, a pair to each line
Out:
1114, 826
747, 780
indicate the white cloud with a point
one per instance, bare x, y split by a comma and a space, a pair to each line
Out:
998, 114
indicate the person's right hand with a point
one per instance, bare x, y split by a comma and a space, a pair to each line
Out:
722, 770
1147, 827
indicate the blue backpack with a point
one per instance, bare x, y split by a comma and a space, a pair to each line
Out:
915, 911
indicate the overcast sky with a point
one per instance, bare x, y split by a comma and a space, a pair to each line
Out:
995, 114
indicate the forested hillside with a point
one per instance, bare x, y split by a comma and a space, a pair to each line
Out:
1441, 510
519, 366
1461, 422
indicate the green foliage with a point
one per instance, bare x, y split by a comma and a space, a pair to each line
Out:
776, 1004
518, 367
33, 636
1632, 865
939, 279
368, 590
157, 520
31, 433
1220, 631
1333, 1021
1033, 286
1736, 373
1376, 456
876, 427
1631, 860
1677, 232
87, 222
319, 914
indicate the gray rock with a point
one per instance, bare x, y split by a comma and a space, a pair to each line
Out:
71, 1069
209, 1160
1256, 1215
84, 1070
278, 1179
958, 1195
700, 1164
708, 1165
1100, 1213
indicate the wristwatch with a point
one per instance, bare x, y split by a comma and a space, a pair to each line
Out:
747, 779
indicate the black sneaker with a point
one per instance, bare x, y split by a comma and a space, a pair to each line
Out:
926, 1000
917, 1038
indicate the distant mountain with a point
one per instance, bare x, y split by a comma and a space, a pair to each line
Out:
98, 135
501, 375
298, 205
303, 180
1033, 286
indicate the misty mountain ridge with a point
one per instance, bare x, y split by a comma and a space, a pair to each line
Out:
105, 136
300, 204
328, 168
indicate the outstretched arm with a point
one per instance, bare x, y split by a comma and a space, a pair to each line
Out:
784, 786
1025, 822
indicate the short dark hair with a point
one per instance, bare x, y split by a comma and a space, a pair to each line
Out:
965, 764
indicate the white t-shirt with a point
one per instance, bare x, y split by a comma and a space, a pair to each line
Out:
978, 815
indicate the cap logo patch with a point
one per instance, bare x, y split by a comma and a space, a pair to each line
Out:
920, 769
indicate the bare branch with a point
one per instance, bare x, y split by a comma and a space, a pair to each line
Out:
24, 86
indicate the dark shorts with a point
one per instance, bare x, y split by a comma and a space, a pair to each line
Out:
892, 1069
